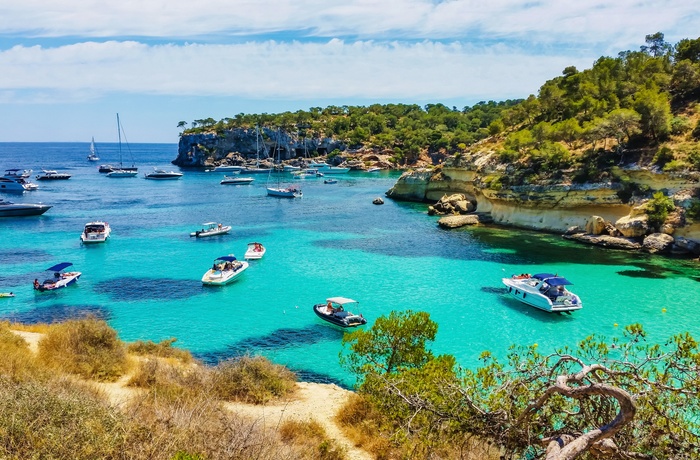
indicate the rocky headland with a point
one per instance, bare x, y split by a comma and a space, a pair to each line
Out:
594, 213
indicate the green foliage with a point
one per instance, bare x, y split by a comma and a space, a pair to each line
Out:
657, 209
694, 209
663, 156
517, 402
163, 349
394, 343
696, 131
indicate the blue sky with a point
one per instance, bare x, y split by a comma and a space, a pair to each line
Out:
67, 67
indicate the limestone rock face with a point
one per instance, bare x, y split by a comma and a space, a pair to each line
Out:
633, 226
658, 242
458, 221
595, 225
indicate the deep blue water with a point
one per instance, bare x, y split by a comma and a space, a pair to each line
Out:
145, 281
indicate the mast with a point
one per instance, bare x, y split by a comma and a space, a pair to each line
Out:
119, 135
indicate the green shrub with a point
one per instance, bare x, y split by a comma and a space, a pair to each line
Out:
658, 208
696, 131
694, 209
674, 165
162, 349
663, 156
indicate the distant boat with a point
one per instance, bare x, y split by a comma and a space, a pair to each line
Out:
255, 251
545, 291
211, 229
50, 174
235, 180
121, 171
330, 181
15, 180
92, 156
226, 269
374, 169
161, 174
279, 191
335, 311
257, 169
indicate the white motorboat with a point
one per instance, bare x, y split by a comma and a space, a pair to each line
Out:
227, 168
287, 192
226, 269
235, 180
317, 165
122, 173
330, 181
16, 185
336, 311
50, 174
59, 279
162, 174
308, 173
334, 170
211, 229
545, 291
374, 169
10, 209
255, 251
95, 232
18, 173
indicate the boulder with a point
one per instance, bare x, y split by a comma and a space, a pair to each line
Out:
458, 221
605, 241
595, 225
463, 206
658, 242
633, 226
573, 230
688, 246
667, 229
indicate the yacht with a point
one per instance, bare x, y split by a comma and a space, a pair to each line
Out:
226, 269
122, 173
227, 168
545, 291
95, 232
50, 174
161, 174
13, 181
10, 209
308, 173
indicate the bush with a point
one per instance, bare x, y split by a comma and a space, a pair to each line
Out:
163, 349
696, 131
663, 156
312, 438
87, 347
694, 209
658, 208
18, 362
252, 379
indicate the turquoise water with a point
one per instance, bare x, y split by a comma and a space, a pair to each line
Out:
333, 242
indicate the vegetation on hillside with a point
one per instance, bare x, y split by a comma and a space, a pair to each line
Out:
618, 398
638, 106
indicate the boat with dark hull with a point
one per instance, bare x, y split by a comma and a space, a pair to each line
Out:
10, 209
336, 311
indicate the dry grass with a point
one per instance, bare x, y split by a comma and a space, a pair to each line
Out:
18, 362
252, 379
367, 427
40, 328
312, 438
163, 349
86, 347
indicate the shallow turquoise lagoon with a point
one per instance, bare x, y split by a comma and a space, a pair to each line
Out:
333, 242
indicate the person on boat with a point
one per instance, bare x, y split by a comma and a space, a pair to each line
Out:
36, 283
219, 226
258, 247
329, 307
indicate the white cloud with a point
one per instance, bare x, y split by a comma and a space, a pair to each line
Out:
334, 69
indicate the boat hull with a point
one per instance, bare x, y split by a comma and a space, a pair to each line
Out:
163, 177
284, 193
341, 319
206, 233
23, 210
65, 280
253, 254
237, 181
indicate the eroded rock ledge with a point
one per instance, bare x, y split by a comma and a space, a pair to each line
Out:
592, 213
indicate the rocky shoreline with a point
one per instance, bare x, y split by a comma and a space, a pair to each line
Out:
588, 213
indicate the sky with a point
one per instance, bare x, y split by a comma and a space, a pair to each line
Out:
67, 67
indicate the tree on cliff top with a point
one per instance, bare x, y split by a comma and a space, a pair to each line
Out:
614, 399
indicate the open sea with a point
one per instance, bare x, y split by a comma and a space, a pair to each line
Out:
145, 280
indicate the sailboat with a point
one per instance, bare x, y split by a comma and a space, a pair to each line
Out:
93, 152
279, 191
257, 168
122, 171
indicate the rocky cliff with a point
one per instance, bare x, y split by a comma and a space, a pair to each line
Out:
238, 145
555, 207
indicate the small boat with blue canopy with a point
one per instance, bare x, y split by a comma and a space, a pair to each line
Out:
546, 291
225, 269
60, 279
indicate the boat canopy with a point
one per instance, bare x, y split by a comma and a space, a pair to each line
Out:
209, 223
59, 267
543, 276
558, 281
341, 300
227, 258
